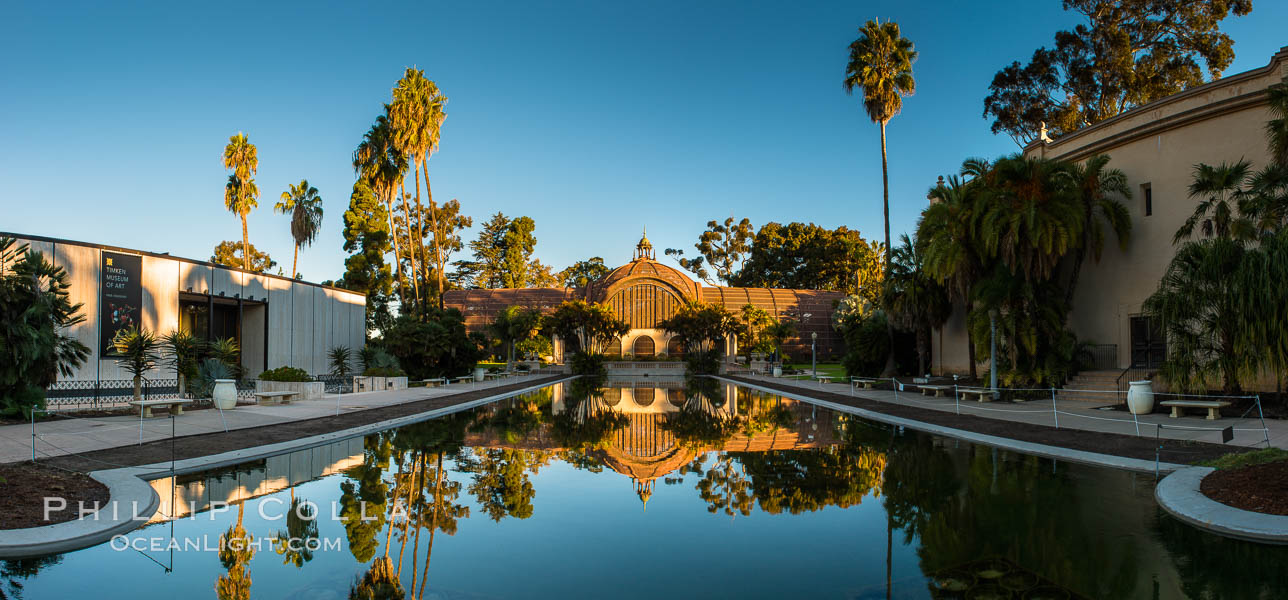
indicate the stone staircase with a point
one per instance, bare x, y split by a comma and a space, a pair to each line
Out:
1100, 381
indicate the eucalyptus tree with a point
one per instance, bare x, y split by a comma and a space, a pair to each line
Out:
304, 205
1099, 189
881, 66
378, 161
1224, 206
417, 115
241, 195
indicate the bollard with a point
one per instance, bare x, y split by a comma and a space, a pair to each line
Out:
33, 434
957, 399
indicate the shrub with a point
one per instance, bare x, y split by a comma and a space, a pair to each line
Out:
435, 347
584, 363
384, 372
702, 363
285, 373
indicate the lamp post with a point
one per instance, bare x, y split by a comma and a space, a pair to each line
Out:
813, 358
992, 352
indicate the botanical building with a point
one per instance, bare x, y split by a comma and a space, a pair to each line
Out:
644, 292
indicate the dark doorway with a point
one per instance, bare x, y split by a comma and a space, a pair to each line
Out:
1148, 343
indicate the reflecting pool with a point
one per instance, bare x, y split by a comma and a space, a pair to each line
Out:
648, 490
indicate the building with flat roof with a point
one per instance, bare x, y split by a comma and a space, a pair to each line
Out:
278, 321
644, 292
1156, 146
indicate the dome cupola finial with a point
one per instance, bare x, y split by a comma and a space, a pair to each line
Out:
644, 249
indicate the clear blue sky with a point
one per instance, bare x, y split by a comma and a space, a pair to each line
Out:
594, 118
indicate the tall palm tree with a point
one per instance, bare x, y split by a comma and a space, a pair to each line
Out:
1223, 204
417, 113
304, 205
881, 66
241, 195
1098, 186
379, 162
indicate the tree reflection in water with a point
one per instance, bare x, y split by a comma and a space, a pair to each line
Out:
235, 553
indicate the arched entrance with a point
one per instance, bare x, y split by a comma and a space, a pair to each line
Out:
674, 347
614, 349
643, 346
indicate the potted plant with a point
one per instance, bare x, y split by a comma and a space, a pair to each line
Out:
138, 352
218, 384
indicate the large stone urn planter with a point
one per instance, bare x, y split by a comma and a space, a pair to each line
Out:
479, 372
1140, 397
225, 394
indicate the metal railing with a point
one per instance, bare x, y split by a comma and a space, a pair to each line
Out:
1129, 375
1103, 357
96, 394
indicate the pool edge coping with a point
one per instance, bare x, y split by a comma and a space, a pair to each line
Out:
128, 486
1179, 495
1043, 450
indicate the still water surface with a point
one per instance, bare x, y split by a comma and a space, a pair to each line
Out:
648, 490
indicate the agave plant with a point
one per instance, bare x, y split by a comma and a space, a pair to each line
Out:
341, 361
211, 370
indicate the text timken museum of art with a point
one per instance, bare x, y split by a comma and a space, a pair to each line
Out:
277, 320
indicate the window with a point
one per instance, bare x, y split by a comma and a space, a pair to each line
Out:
1147, 193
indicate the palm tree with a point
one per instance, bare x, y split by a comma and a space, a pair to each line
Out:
881, 66
304, 205
951, 254
241, 195
1223, 203
417, 114
915, 299
1030, 216
378, 161
138, 351
1277, 128
1097, 187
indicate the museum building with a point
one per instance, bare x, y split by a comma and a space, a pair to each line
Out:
278, 321
645, 292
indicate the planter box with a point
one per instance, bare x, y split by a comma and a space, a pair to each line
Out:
370, 383
307, 390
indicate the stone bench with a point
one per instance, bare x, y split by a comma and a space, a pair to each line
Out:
275, 397
175, 404
934, 390
979, 395
1213, 407
865, 382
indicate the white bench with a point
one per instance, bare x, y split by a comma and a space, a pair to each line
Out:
462, 378
867, 383
934, 390
984, 395
1213, 407
175, 404
822, 379
283, 397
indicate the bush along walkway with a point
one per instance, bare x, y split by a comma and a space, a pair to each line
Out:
1027, 422
83, 445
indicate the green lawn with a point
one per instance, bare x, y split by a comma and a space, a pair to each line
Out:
1243, 459
834, 370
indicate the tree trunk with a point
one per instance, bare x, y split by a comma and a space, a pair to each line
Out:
138, 389
393, 234
921, 351
295, 260
885, 278
438, 244
411, 247
419, 247
245, 244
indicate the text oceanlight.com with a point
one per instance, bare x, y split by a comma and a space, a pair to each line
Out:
236, 544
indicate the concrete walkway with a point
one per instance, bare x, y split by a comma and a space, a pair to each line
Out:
1072, 414
76, 435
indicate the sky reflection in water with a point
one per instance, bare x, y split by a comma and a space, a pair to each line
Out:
653, 490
